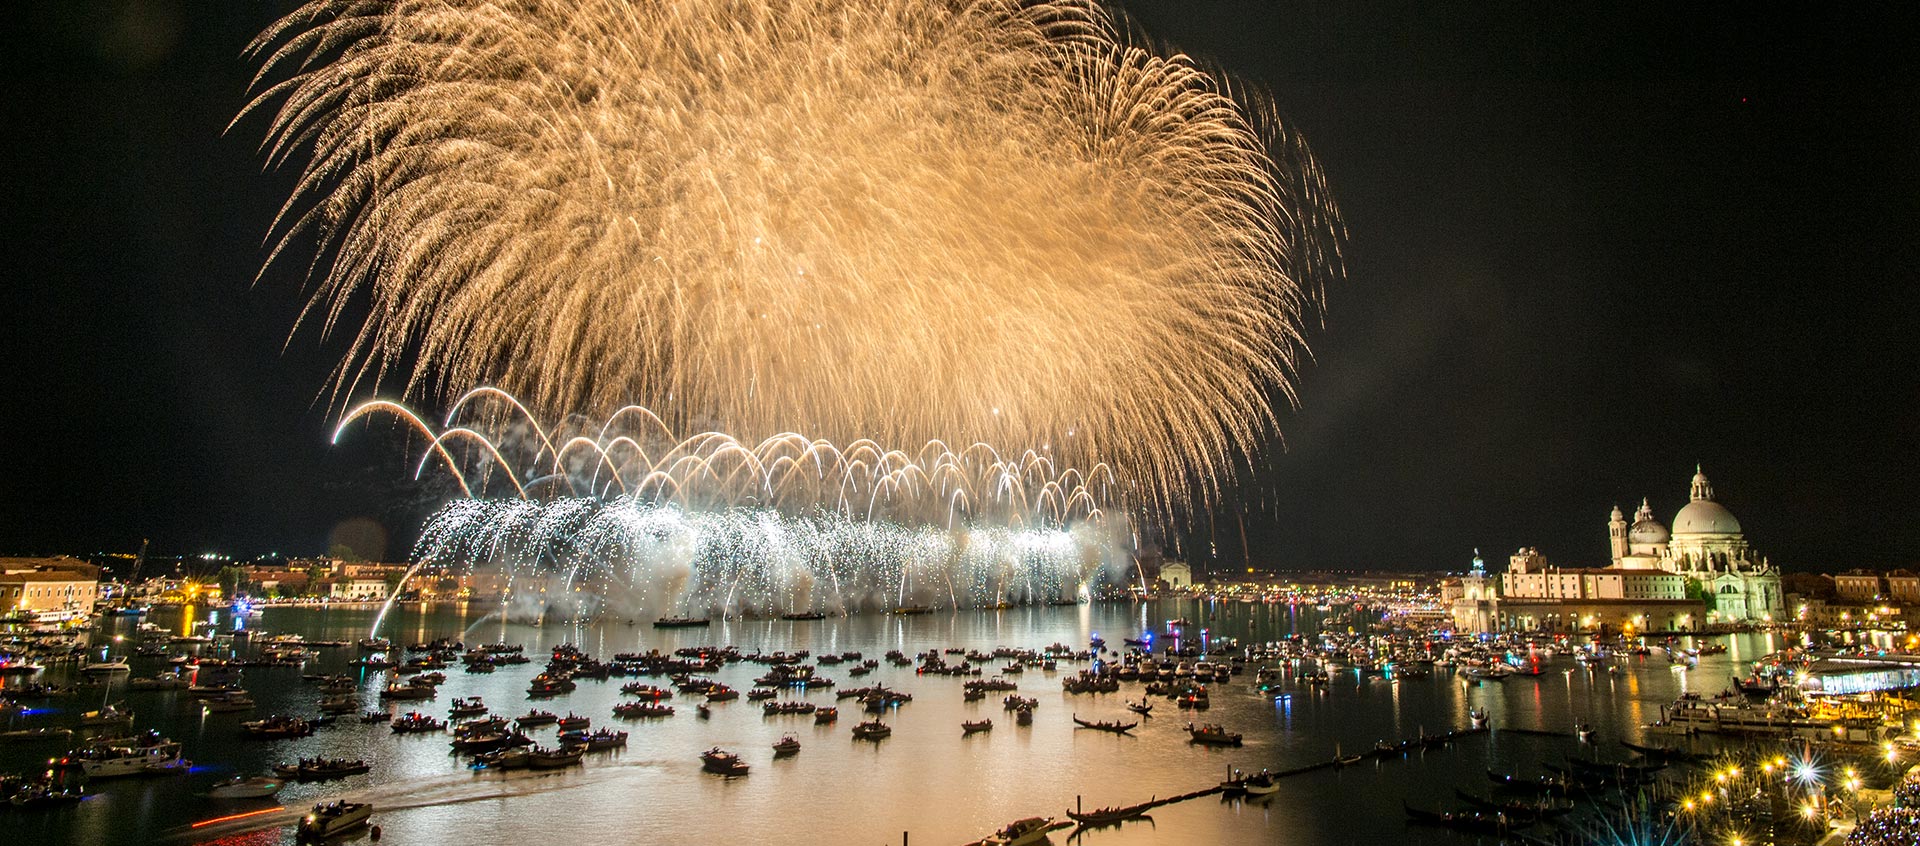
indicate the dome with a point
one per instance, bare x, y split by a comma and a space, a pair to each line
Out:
1648, 530
1705, 517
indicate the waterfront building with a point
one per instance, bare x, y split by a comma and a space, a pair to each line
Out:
360, 590
1176, 574
1857, 586
47, 584
1903, 586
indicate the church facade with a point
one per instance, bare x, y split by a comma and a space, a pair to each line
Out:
1701, 572
1706, 546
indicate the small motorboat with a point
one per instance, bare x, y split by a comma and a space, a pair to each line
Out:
573, 722
722, 762
872, 730
822, 716
1212, 734
332, 818
967, 728
467, 707
1478, 716
788, 745
605, 739
371, 717
228, 703
240, 787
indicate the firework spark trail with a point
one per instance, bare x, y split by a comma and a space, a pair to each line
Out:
628, 518
906, 220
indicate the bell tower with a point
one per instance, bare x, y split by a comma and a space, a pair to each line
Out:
1617, 535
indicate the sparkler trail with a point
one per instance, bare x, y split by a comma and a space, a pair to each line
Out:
913, 221
623, 516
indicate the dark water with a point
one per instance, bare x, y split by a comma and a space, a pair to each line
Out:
926, 779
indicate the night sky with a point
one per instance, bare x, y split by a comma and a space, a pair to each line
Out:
1589, 248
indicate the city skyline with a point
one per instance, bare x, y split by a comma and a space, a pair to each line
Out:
1608, 255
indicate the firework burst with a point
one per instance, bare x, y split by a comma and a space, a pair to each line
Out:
904, 220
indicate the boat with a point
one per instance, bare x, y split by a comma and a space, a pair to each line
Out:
543, 758
970, 728
1473, 821
331, 818
872, 730
276, 728
1478, 716
126, 760
1023, 715
240, 787
1212, 734
810, 615
416, 722
788, 745
46, 795
102, 668
1114, 726
821, 716
509, 758
1346, 760
1583, 732
229, 703
371, 717
407, 691
573, 722
321, 769
1108, 816
536, 717
1143, 708
108, 715
722, 762
164, 681
604, 739
681, 622
908, 610
24, 735
1262, 783
467, 707
1024, 832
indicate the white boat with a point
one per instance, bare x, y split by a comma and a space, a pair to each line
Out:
329, 819
258, 787
111, 761
101, 668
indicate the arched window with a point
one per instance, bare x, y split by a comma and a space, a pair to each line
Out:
1725, 589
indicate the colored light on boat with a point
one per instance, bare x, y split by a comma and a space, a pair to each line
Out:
241, 816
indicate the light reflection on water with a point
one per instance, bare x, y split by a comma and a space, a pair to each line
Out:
926, 779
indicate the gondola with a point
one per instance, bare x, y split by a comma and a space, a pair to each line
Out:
1114, 726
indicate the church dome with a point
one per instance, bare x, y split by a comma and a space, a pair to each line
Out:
1705, 517
1648, 530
